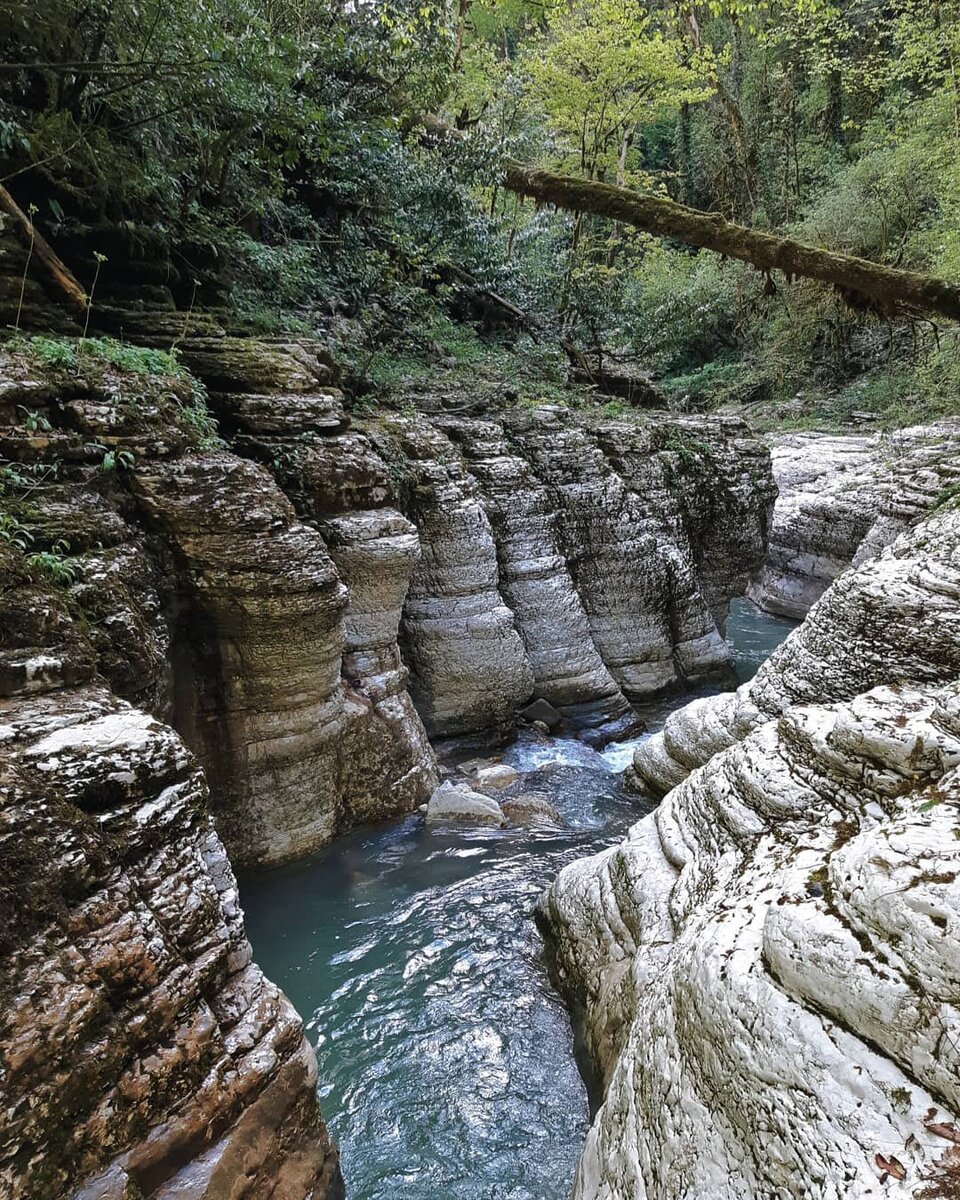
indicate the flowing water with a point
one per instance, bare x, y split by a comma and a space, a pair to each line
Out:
446, 1059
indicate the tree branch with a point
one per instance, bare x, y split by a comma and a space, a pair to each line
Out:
62, 275
862, 283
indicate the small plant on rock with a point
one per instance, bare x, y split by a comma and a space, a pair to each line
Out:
55, 564
32, 210
101, 259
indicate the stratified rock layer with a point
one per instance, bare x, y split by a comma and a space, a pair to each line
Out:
571, 558
767, 967
142, 1052
768, 964
890, 620
842, 499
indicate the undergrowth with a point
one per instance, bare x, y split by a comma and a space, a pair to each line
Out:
65, 354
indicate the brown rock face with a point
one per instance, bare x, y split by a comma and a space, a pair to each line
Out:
143, 1053
257, 647
212, 604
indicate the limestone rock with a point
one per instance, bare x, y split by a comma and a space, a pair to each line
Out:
535, 581
144, 1051
341, 488
541, 712
495, 778
255, 366
895, 617
768, 964
469, 668
531, 809
456, 804
257, 651
842, 500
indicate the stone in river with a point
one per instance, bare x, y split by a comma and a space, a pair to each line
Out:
531, 808
499, 776
457, 803
543, 711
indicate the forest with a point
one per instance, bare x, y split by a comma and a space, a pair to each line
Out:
348, 166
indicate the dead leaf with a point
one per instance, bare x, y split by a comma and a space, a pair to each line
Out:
891, 1166
945, 1129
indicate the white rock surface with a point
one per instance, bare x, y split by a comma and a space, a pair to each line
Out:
496, 777
453, 803
896, 617
770, 966
842, 500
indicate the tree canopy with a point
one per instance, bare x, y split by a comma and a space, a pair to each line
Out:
273, 148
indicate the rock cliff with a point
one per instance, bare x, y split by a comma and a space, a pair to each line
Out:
257, 588
250, 592
842, 499
143, 1052
767, 966
889, 620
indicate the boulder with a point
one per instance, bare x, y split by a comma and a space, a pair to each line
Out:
495, 778
533, 809
541, 711
453, 804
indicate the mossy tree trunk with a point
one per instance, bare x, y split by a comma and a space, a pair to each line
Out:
862, 283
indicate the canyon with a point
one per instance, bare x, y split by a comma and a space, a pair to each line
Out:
224, 650
226, 645
765, 967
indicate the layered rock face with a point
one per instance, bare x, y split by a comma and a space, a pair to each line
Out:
327, 732
891, 619
567, 557
257, 592
767, 966
842, 499
143, 1052
269, 640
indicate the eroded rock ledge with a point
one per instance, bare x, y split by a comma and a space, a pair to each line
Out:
842, 500
143, 1052
892, 619
307, 597
768, 965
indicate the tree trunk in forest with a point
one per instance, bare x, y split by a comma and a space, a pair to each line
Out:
61, 274
861, 283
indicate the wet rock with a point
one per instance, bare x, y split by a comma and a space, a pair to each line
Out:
495, 778
541, 712
896, 617
145, 1052
842, 500
532, 809
457, 804
766, 963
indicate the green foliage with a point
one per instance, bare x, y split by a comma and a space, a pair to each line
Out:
198, 421
54, 565
64, 354
278, 148
13, 531
114, 460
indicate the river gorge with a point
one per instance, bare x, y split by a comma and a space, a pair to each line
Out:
278, 641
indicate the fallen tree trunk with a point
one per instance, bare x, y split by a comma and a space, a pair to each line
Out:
862, 283
61, 273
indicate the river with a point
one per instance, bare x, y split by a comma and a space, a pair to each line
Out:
446, 1059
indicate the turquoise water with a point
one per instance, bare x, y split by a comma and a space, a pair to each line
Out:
753, 635
446, 1059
